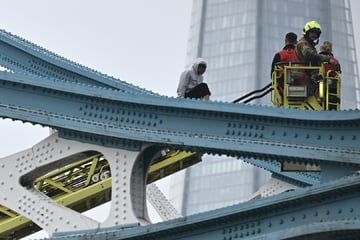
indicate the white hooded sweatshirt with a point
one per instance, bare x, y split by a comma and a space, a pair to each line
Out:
190, 78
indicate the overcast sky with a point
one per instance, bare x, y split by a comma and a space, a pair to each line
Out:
142, 42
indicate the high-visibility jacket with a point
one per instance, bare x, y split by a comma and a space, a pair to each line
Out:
285, 56
289, 55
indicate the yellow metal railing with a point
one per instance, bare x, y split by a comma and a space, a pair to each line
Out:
306, 87
86, 184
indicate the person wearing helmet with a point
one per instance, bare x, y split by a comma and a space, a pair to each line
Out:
191, 83
305, 49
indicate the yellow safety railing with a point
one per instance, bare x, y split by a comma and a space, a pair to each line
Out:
306, 87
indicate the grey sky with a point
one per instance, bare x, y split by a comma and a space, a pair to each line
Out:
139, 41
142, 42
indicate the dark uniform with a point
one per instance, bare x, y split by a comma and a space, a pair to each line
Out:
307, 53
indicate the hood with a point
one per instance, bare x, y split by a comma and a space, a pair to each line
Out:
197, 62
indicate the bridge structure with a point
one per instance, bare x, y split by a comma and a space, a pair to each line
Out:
97, 115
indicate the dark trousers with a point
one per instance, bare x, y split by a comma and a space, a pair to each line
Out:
198, 91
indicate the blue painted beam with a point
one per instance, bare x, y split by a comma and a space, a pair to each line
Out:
243, 131
20, 55
321, 212
227, 127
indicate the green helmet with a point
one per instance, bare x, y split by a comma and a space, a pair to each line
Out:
312, 25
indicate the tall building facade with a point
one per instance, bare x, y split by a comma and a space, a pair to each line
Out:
239, 38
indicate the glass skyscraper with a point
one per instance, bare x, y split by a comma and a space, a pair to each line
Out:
238, 39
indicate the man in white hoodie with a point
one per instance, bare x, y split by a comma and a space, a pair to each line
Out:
191, 83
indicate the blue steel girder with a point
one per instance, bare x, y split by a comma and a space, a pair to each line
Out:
327, 212
300, 179
20, 55
243, 131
